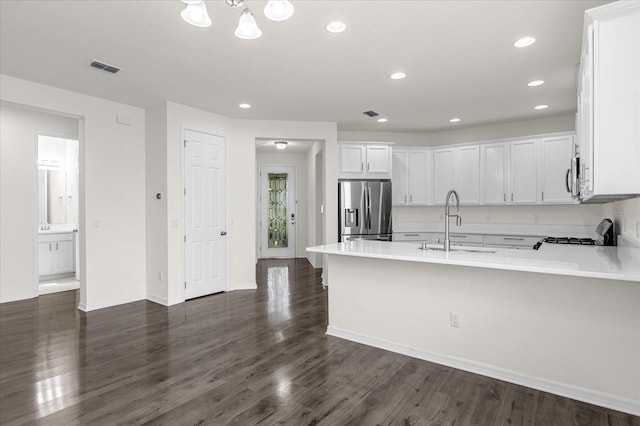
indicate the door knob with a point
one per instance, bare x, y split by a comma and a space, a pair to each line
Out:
223, 233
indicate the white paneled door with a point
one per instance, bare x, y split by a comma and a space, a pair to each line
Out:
278, 214
205, 219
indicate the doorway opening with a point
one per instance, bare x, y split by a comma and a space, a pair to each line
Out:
278, 212
57, 248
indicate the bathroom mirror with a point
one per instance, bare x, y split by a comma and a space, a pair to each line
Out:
57, 181
56, 196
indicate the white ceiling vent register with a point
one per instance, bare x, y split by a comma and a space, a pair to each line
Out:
276, 10
105, 67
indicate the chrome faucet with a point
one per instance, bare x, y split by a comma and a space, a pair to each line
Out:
447, 243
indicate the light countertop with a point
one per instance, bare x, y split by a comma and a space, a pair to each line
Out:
615, 263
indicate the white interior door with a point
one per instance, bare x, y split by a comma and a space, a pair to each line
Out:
205, 221
277, 212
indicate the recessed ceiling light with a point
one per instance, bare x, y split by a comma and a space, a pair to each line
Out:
454, 120
541, 106
524, 42
382, 120
398, 76
244, 106
336, 27
535, 83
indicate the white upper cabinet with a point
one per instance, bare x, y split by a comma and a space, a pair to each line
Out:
400, 177
523, 166
444, 173
608, 105
419, 174
494, 171
555, 158
468, 174
365, 161
411, 176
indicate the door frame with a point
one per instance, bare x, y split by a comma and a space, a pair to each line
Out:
260, 208
183, 252
36, 211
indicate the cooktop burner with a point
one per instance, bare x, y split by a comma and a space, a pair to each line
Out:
570, 240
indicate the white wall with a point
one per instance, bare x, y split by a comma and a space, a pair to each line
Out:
19, 129
315, 199
299, 161
112, 190
156, 210
560, 123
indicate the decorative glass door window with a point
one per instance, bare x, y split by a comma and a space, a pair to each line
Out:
278, 210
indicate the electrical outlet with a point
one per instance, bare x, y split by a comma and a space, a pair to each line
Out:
454, 319
160, 276
637, 229
536, 218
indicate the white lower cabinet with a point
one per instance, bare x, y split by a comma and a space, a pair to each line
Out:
511, 241
56, 254
411, 236
457, 239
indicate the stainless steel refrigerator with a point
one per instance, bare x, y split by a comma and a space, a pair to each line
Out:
364, 209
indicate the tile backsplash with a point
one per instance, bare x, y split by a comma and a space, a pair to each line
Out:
526, 215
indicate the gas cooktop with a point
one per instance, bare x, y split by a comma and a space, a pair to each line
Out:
570, 240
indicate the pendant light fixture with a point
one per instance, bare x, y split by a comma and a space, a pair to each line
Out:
278, 10
196, 13
247, 28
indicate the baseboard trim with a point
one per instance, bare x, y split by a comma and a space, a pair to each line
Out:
563, 389
157, 299
18, 297
243, 286
109, 304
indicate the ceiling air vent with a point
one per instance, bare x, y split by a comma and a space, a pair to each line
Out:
105, 67
371, 113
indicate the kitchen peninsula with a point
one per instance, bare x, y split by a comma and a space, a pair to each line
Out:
565, 320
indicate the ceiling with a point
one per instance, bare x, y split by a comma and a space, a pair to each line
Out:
458, 56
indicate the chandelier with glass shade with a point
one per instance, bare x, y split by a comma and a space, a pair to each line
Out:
276, 10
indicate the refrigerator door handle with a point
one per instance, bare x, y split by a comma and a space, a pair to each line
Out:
368, 201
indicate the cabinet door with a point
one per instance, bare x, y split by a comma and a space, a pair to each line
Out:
493, 178
45, 258
63, 258
418, 179
378, 161
468, 182
352, 161
444, 173
523, 172
399, 181
555, 159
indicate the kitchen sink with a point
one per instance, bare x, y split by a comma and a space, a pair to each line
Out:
438, 247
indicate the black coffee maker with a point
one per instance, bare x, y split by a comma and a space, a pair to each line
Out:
606, 232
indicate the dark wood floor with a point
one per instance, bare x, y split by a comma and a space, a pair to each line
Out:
245, 357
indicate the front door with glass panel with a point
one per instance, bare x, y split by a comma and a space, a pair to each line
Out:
277, 212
